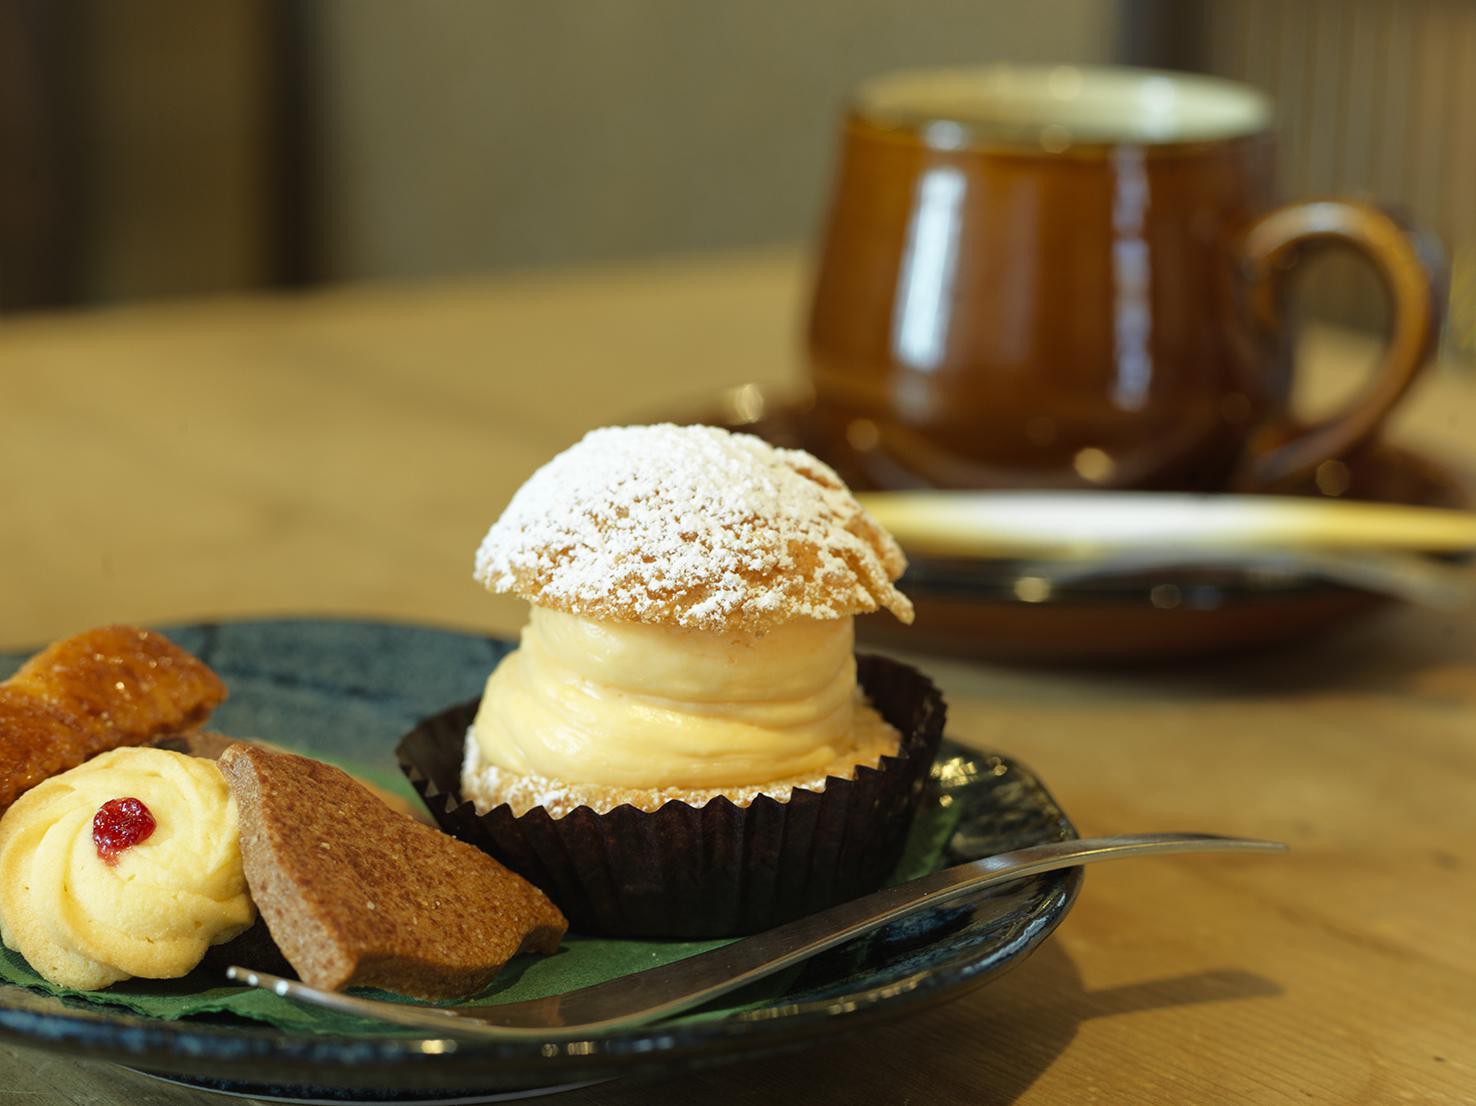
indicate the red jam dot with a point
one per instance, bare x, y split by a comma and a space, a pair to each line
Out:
120, 824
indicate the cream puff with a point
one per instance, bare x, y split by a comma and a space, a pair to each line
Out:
691, 632
690, 648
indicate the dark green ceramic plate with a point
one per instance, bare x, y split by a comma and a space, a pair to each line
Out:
345, 692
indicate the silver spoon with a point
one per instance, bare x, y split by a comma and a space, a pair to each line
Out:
657, 993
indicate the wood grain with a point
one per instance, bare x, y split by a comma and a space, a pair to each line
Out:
343, 452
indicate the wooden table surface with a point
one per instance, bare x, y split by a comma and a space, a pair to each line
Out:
344, 452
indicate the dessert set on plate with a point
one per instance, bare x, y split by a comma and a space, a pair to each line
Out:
682, 748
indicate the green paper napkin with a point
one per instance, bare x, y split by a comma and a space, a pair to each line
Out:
580, 962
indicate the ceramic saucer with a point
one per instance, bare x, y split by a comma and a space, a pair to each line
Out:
976, 608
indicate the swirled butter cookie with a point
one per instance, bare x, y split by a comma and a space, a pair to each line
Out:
128, 865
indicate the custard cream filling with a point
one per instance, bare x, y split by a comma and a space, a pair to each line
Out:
634, 705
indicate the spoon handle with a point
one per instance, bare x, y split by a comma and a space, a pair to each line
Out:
661, 992
1077, 525
687, 983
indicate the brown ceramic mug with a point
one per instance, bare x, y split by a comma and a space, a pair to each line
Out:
1064, 277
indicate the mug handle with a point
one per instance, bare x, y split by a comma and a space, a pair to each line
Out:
1411, 267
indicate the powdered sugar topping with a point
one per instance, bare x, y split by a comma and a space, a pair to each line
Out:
691, 526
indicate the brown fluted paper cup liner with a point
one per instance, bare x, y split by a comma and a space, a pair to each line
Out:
717, 870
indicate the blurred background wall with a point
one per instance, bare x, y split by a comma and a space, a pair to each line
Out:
1374, 97
169, 147
138, 147
460, 134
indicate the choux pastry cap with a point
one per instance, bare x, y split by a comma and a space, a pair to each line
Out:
691, 526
